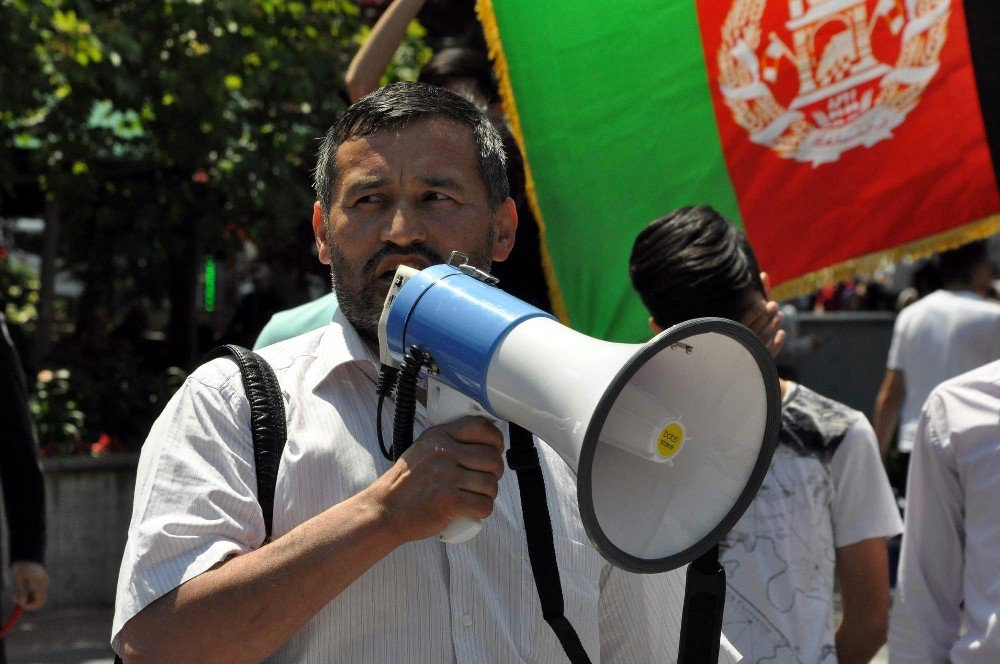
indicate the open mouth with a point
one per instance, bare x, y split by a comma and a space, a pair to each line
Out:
386, 269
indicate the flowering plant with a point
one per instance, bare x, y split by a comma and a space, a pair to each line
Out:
55, 407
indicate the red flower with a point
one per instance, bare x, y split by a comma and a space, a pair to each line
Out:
101, 445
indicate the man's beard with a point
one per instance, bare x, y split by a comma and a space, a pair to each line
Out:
358, 291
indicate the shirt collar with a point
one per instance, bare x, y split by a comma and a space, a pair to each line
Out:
339, 346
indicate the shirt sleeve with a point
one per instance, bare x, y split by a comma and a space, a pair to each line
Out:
896, 360
640, 618
195, 496
926, 615
863, 504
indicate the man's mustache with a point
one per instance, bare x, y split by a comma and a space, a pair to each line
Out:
391, 249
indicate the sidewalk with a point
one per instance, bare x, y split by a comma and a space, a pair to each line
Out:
70, 636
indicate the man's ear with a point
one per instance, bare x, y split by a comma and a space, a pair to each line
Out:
506, 225
653, 326
765, 279
319, 232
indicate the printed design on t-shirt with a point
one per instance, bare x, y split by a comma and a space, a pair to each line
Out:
780, 557
812, 424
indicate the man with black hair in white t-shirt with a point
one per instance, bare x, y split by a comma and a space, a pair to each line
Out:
825, 505
953, 330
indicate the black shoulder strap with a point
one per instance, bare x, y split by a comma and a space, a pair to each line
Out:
522, 457
267, 422
267, 425
704, 606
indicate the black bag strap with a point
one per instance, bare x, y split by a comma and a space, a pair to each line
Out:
704, 606
522, 457
267, 422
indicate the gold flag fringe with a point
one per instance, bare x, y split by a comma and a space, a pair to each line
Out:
866, 265
488, 19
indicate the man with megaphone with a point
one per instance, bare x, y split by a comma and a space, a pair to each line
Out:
406, 176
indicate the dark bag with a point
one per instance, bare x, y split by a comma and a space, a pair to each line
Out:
267, 424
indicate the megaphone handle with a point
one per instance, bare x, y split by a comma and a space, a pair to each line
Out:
460, 530
446, 405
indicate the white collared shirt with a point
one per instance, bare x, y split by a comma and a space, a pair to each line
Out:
195, 504
949, 572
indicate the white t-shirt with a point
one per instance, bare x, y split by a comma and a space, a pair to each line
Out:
825, 489
939, 337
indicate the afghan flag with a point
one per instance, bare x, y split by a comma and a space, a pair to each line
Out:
840, 134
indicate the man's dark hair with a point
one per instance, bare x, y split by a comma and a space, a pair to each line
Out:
958, 265
398, 104
693, 263
452, 63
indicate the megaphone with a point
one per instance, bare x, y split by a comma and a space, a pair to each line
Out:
670, 439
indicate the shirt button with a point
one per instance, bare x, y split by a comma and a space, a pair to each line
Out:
466, 619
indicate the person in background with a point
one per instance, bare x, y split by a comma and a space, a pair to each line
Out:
948, 596
462, 69
946, 333
825, 506
21, 478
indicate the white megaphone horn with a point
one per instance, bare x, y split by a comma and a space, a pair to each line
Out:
670, 439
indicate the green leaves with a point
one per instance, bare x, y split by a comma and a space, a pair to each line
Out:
25, 141
19, 290
125, 125
84, 46
168, 128
164, 84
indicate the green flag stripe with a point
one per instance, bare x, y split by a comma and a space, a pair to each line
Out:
573, 74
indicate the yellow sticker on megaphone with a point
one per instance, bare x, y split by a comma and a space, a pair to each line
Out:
671, 440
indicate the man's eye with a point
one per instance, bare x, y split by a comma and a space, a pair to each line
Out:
436, 196
368, 200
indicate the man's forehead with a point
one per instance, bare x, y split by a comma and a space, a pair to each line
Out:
427, 139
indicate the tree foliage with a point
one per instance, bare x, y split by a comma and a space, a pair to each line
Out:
162, 129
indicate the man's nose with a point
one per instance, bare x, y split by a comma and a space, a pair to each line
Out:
404, 227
